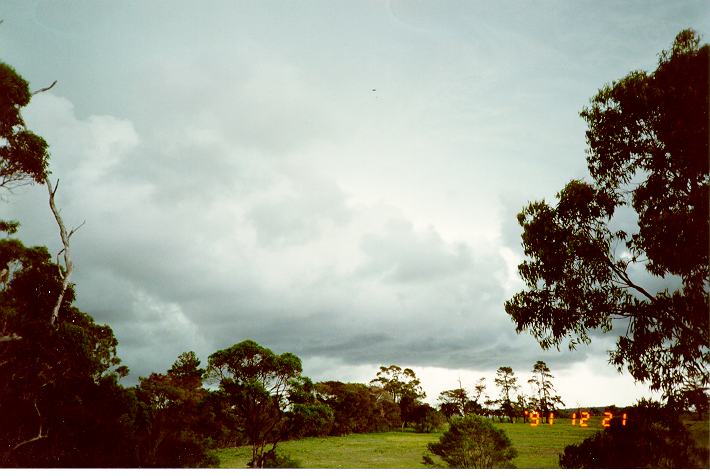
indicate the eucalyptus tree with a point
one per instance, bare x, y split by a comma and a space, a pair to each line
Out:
648, 157
257, 383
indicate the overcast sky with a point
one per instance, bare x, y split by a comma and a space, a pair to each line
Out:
336, 179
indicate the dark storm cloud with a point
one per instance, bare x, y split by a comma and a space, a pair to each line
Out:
240, 180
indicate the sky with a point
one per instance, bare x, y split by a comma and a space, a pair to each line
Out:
335, 179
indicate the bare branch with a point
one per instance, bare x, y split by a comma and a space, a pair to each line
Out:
73, 230
39, 436
68, 264
45, 89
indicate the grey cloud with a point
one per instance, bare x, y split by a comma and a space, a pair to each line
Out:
401, 255
296, 216
230, 163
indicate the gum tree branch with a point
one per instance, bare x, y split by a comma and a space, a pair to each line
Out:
65, 236
45, 89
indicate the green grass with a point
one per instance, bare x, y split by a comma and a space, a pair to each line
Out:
538, 447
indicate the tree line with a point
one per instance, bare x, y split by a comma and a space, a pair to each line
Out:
512, 404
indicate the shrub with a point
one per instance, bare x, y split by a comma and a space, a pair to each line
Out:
473, 442
272, 459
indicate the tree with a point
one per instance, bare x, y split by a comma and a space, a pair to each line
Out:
48, 376
453, 402
545, 398
256, 382
307, 416
473, 442
176, 416
647, 152
403, 388
653, 437
507, 381
427, 419
479, 389
398, 383
23, 154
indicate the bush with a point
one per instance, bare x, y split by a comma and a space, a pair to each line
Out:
473, 442
272, 459
653, 437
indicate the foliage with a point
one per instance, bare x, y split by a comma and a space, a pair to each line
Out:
428, 419
23, 155
398, 383
273, 459
546, 400
648, 151
256, 382
174, 402
453, 402
358, 408
48, 373
653, 437
473, 442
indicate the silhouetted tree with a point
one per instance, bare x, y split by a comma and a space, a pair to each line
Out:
507, 382
653, 437
545, 399
174, 402
647, 142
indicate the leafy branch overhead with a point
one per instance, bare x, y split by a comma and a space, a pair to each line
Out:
647, 151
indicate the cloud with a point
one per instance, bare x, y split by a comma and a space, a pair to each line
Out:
288, 258
240, 178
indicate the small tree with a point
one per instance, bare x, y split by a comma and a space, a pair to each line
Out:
257, 382
507, 382
545, 399
473, 442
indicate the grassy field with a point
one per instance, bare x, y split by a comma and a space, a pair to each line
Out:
537, 447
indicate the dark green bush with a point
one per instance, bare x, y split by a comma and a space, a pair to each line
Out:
473, 442
653, 437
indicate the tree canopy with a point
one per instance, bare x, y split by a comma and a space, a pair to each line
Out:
23, 154
257, 382
647, 153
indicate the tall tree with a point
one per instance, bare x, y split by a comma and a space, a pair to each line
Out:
398, 382
545, 398
508, 383
648, 152
59, 396
257, 382
479, 389
403, 388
